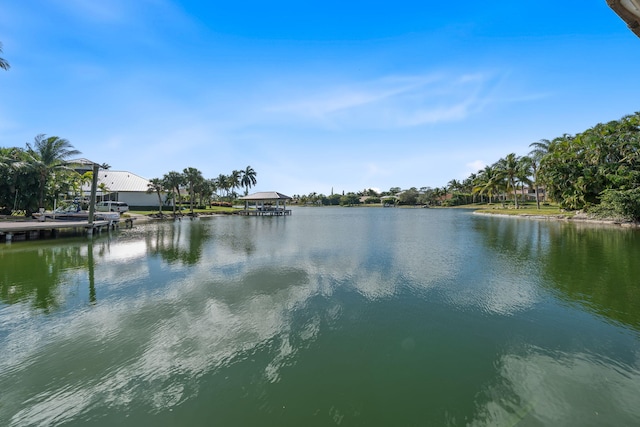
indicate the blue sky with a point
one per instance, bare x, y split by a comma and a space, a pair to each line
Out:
314, 95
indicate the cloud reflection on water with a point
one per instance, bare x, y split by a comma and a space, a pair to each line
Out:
557, 389
175, 310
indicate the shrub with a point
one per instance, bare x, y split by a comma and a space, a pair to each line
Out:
619, 204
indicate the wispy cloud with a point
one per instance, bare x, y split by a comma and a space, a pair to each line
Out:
475, 166
392, 102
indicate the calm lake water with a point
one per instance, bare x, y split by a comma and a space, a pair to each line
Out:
333, 316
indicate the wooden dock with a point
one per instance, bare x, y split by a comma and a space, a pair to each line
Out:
8, 229
265, 212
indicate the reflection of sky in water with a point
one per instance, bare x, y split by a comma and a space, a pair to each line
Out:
537, 388
173, 308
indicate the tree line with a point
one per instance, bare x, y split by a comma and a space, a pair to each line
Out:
597, 170
200, 189
35, 176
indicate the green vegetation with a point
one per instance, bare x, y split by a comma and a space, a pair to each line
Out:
32, 177
597, 171
39, 174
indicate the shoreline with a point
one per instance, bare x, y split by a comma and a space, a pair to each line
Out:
581, 219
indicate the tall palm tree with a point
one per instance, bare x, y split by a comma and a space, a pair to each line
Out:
235, 179
173, 180
248, 179
46, 156
192, 177
3, 63
223, 183
508, 168
524, 173
156, 185
540, 149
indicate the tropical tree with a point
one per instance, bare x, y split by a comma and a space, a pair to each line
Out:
104, 189
192, 177
45, 156
508, 171
173, 180
223, 183
524, 172
3, 63
235, 179
156, 185
487, 182
539, 151
248, 179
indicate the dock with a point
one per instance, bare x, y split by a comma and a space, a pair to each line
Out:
265, 212
8, 229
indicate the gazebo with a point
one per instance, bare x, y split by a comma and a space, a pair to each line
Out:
264, 204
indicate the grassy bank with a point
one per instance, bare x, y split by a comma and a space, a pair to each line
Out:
529, 209
207, 211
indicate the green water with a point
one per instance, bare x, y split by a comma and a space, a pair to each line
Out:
333, 316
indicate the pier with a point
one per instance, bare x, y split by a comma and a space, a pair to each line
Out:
8, 229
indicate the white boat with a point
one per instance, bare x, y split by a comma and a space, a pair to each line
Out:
73, 214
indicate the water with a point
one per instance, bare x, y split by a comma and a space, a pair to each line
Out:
333, 316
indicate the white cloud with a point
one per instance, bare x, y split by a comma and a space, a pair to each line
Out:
390, 102
475, 166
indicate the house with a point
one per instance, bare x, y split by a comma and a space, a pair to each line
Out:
123, 186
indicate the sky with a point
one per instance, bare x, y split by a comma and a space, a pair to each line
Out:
316, 96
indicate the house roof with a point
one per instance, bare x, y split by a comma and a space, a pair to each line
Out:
265, 195
80, 165
120, 181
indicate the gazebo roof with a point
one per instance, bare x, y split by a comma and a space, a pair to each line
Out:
265, 195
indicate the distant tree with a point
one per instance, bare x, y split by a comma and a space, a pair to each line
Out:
223, 183
248, 179
349, 199
192, 177
508, 171
173, 180
540, 149
487, 182
409, 197
235, 179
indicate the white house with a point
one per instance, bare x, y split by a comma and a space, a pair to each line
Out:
123, 186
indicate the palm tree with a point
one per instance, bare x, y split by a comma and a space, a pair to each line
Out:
173, 180
192, 177
524, 172
540, 149
156, 185
508, 169
235, 179
46, 156
3, 63
248, 179
223, 183
487, 182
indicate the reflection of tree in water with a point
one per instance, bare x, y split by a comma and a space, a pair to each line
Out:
598, 268
520, 240
183, 242
590, 265
168, 242
34, 273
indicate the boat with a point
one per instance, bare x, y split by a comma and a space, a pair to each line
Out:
73, 213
